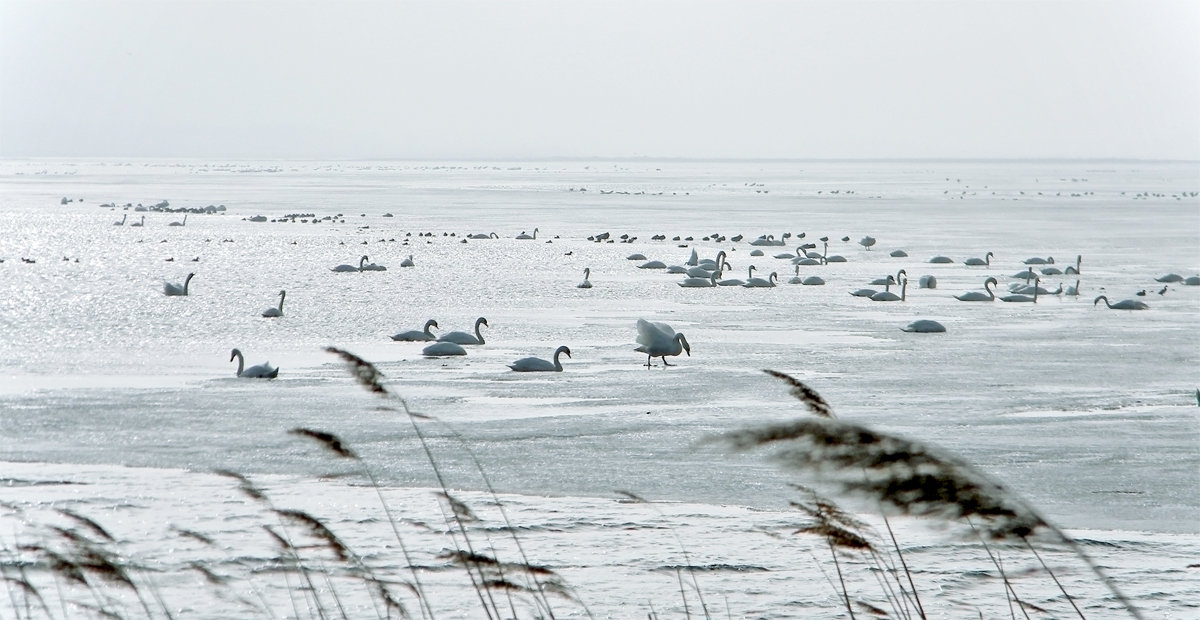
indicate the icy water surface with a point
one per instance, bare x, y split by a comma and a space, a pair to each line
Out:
1090, 414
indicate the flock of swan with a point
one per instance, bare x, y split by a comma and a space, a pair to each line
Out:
659, 340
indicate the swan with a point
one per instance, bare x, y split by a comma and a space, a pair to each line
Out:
681, 269
417, 335
659, 340
184, 222
890, 279
868, 292
693, 259
813, 281
699, 272
408, 262
1051, 271
525, 236
1026, 275
1029, 288
713, 264
371, 267
1124, 304
867, 242
654, 264
1073, 291
1037, 260
769, 240
1170, 277
976, 262
1191, 281
927, 282
537, 364
587, 273
766, 282
899, 254
1024, 298
890, 296
941, 259
733, 281
441, 349
483, 236
464, 337
1075, 269
924, 326
175, 290
977, 296
796, 279
122, 222
274, 312
694, 282
141, 222
261, 371
636, 256
344, 267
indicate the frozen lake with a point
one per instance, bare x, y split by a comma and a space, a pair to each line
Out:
1090, 414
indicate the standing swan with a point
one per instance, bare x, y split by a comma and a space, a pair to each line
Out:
464, 337
659, 340
977, 296
587, 273
415, 335
1124, 304
537, 364
261, 371
274, 312
174, 290
344, 267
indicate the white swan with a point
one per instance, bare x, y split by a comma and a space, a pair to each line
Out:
525, 236
371, 267
176, 290
693, 282
1037, 260
941, 260
260, 371
890, 279
587, 273
813, 281
867, 241
924, 326
141, 222
898, 254
275, 312
977, 296
659, 340
977, 262
464, 337
1023, 298
654, 264
1075, 269
769, 240
1124, 304
442, 349
184, 222
927, 282
890, 296
122, 222
537, 364
1170, 277
417, 335
408, 262
767, 282
345, 268
1073, 291
483, 236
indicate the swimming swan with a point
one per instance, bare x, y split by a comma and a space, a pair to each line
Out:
525, 236
184, 222
977, 296
122, 222
1125, 304
976, 262
275, 312
441, 349
415, 335
890, 296
659, 340
175, 290
587, 273
537, 364
261, 371
344, 267
464, 337
408, 262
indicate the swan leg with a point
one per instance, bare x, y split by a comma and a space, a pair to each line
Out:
664, 359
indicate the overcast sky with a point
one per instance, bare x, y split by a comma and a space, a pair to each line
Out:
740, 79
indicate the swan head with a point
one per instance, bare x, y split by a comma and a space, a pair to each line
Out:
233, 354
481, 321
1097, 300
687, 348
